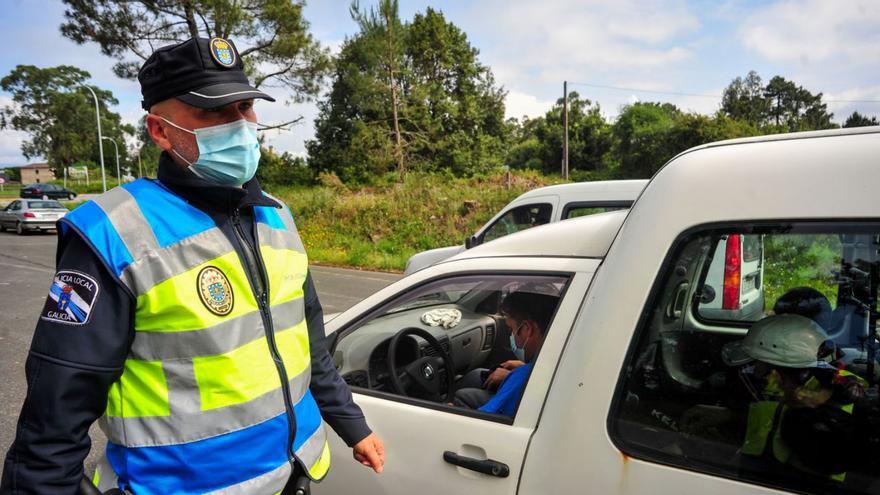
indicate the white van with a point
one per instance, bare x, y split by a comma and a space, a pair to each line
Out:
538, 207
631, 391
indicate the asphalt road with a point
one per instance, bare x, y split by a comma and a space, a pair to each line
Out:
26, 268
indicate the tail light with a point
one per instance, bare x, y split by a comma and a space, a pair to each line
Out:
28, 214
732, 273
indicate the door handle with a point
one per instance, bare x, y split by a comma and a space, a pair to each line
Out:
485, 466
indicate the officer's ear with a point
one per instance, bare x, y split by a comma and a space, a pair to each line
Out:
157, 129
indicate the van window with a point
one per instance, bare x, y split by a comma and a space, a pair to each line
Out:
574, 210
468, 316
519, 218
785, 395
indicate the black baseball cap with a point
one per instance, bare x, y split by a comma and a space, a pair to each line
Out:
204, 73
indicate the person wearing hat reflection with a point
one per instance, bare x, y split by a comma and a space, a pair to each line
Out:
800, 416
190, 324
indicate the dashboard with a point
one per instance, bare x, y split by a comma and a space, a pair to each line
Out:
362, 355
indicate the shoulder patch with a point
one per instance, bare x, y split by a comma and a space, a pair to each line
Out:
71, 298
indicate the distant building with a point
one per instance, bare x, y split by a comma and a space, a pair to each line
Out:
36, 173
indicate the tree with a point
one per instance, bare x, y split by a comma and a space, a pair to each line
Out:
383, 27
538, 142
271, 35
445, 114
859, 120
58, 115
13, 173
745, 99
282, 170
642, 138
793, 108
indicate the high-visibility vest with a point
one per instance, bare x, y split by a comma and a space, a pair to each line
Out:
201, 405
764, 431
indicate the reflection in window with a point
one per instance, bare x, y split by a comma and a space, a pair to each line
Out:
517, 219
784, 394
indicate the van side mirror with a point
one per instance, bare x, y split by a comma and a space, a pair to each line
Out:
471, 242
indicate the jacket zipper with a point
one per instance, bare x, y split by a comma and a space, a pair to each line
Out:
259, 279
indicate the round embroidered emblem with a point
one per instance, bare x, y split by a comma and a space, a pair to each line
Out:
215, 291
222, 52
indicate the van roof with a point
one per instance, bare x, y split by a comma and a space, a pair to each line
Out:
583, 237
789, 136
622, 189
807, 176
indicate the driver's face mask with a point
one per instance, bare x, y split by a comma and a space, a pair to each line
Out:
228, 153
519, 352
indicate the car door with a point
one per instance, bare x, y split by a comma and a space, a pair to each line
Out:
7, 216
430, 445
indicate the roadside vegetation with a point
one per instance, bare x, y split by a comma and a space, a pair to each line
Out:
380, 227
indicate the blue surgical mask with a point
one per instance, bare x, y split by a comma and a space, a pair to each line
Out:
519, 352
228, 153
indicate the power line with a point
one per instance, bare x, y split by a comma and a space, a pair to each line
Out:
695, 95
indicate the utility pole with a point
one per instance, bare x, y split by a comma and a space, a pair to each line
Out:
140, 170
565, 126
100, 144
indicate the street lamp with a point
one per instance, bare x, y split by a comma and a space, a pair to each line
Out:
100, 145
115, 147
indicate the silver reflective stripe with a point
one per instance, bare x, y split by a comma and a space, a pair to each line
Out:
160, 265
269, 483
279, 239
310, 452
128, 220
107, 477
188, 423
219, 339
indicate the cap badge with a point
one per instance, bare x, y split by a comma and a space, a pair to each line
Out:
215, 291
222, 52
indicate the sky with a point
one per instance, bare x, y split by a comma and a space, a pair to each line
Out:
678, 51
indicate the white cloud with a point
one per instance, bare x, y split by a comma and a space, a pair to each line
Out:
10, 141
519, 104
844, 103
815, 31
556, 39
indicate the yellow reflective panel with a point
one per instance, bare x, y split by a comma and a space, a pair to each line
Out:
249, 371
293, 345
141, 391
183, 302
287, 273
319, 469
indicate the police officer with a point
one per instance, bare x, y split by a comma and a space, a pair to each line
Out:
183, 315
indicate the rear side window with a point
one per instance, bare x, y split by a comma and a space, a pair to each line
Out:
784, 394
44, 204
574, 210
519, 218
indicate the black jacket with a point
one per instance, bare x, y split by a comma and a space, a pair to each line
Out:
70, 368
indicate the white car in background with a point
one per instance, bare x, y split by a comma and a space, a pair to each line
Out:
538, 207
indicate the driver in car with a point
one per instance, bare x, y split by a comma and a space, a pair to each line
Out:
527, 315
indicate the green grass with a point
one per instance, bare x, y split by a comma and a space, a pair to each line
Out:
10, 191
379, 228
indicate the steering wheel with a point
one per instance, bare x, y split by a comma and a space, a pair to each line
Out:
425, 371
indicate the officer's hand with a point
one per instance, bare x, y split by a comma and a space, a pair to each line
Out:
370, 452
512, 364
495, 378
